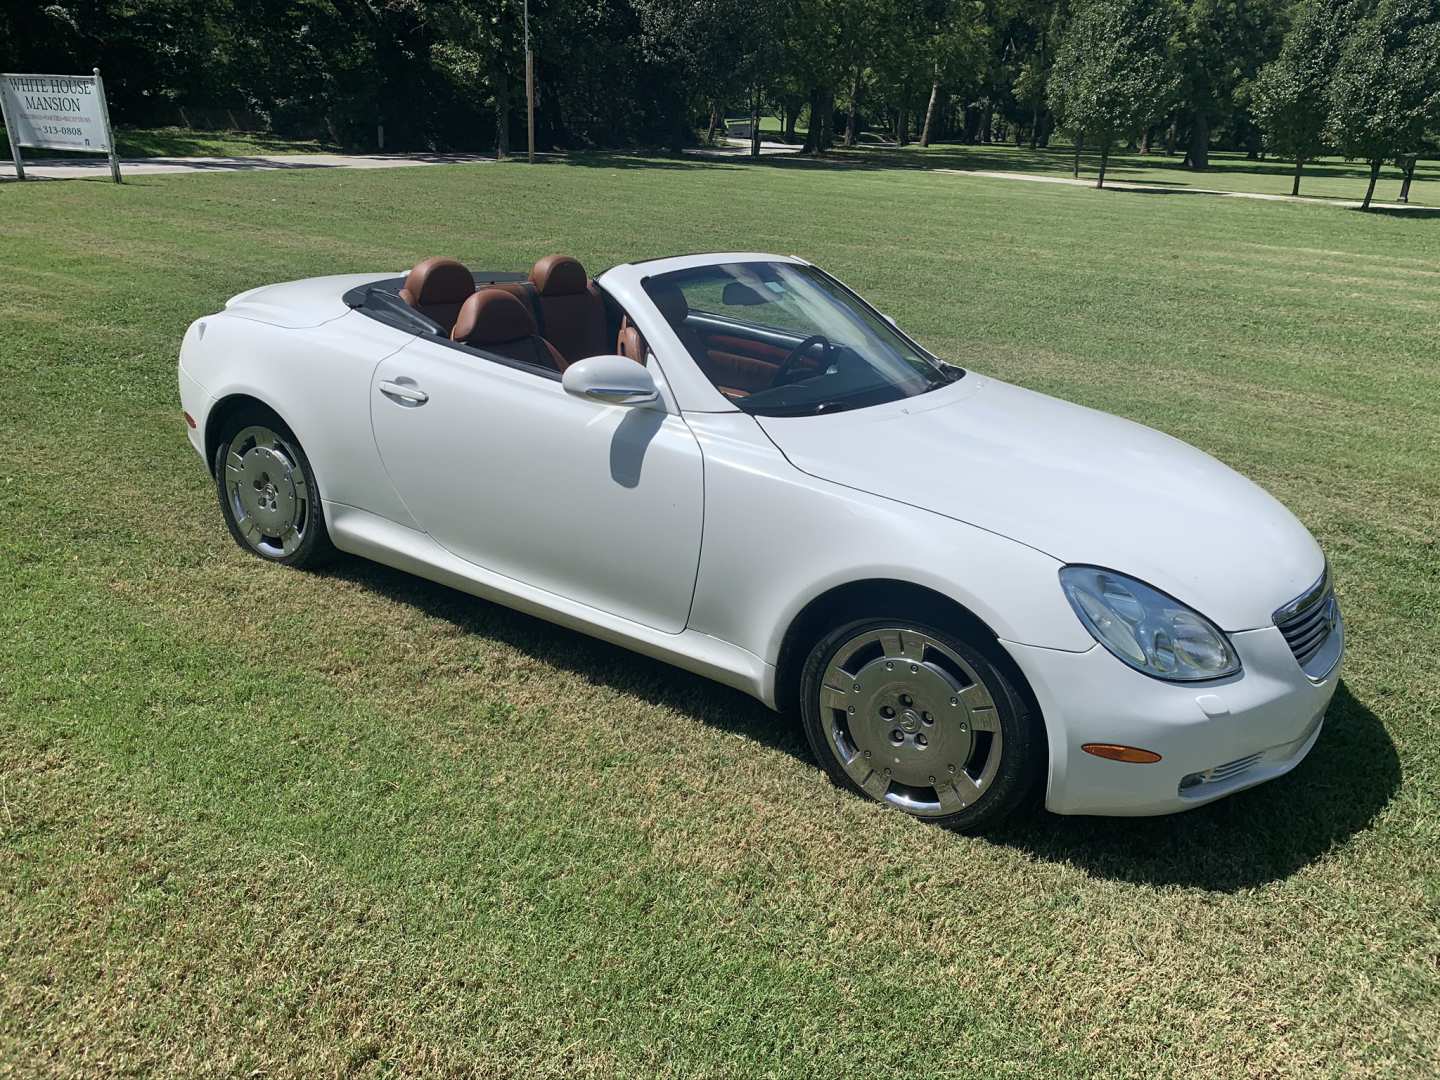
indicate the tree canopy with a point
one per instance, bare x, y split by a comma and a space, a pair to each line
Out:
1308, 75
1112, 74
1292, 93
1385, 95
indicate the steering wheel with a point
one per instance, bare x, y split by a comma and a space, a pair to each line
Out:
782, 376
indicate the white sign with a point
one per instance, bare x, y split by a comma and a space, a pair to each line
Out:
56, 112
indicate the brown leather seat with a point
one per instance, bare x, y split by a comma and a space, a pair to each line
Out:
498, 322
438, 287
569, 308
630, 343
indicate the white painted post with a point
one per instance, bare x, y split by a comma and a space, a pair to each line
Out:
109, 131
14, 145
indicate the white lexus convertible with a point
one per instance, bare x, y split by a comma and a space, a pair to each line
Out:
733, 463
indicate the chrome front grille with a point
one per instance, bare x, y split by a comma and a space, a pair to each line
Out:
1308, 622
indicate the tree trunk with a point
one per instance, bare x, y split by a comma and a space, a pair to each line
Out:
970, 134
755, 122
1171, 137
930, 114
1299, 164
1104, 157
1409, 175
1145, 140
1370, 191
500, 81
1079, 142
902, 126
852, 122
1199, 156
812, 133
988, 125
792, 117
1035, 104
827, 119
714, 123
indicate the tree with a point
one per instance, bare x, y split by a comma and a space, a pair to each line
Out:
1111, 73
1385, 95
953, 48
1291, 95
1217, 47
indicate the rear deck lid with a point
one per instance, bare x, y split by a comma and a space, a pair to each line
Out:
299, 304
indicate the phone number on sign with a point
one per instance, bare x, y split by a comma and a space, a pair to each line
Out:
53, 129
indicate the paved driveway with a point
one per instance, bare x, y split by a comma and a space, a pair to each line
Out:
99, 167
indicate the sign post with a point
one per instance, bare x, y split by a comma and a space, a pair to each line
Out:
109, 135
529, 88
57, 112
14, 143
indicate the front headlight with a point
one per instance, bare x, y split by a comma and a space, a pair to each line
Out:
1150, 631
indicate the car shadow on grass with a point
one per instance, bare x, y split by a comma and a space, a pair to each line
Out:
600, 662
1264, 834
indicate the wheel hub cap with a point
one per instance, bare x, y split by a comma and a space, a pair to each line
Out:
268, 494
911, 721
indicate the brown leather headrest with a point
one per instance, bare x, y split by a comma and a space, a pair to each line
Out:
671, 302
558, 275
493, 317
437, 281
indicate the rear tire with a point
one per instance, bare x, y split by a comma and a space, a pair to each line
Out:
267, 491
908, 714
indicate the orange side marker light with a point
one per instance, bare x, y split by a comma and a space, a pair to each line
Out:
1115, 752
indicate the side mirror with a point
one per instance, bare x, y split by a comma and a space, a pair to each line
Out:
614, 380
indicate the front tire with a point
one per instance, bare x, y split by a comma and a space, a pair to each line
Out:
267, 491
913, 716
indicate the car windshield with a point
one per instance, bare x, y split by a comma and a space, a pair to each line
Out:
782, 339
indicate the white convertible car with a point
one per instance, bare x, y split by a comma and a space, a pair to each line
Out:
733, 463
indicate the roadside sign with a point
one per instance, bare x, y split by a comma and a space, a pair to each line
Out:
57, 112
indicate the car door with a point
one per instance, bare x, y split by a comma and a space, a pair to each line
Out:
598, 503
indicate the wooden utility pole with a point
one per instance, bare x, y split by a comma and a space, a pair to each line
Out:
529, 88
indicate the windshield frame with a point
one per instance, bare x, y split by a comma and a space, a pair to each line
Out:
931, 369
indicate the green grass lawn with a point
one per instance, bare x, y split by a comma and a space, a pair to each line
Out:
185, 142
255, 822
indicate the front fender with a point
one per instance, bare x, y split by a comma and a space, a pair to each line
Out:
814, 536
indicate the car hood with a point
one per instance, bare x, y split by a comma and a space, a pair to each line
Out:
299, 304
1080, 485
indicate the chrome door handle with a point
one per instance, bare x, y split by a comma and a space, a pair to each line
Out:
403, 394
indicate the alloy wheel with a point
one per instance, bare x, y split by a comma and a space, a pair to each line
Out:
267, 492
910, 721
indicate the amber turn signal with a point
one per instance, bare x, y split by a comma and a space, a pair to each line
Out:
189, 419
1116, 752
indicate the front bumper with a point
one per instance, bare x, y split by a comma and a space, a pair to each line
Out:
1217, 738
194, 401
